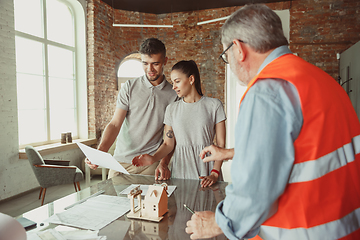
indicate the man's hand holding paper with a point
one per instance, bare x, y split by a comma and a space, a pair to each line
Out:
92, 166
99, 158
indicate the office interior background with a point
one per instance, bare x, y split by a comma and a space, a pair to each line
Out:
320, 31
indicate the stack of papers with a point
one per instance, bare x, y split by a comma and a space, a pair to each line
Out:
53, 234
95, 213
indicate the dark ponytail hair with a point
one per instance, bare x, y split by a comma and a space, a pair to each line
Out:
189, 68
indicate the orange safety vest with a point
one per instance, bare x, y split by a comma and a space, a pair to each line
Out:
322, 197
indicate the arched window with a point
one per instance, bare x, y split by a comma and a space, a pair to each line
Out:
49, 76
129, 68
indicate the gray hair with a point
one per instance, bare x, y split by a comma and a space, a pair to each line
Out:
257, 25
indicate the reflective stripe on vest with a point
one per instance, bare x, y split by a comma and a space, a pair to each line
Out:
331, 230
311, 170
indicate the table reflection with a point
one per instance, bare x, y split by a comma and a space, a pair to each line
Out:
189, 192
172, 226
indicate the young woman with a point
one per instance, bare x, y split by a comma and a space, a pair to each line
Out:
190, 125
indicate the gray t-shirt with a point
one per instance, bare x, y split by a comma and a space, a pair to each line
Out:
142, 129
194, 128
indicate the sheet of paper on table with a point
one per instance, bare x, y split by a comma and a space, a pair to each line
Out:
53, 234
144, 189
94, 214
101, 158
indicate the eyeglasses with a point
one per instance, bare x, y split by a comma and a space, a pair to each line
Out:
223, 55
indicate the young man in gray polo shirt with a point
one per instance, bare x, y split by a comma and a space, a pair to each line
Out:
138, 119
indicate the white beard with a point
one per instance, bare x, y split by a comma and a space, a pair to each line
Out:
239, 72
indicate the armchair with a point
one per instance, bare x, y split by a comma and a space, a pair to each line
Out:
52, 172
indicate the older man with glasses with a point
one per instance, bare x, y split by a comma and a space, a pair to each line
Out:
296, 162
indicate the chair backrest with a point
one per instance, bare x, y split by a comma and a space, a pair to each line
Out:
34, 156
49, 176
35, 159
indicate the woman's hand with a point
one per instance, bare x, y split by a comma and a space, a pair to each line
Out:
209, 180
143, 160
163, 171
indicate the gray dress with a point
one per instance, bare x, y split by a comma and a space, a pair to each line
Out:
194, 128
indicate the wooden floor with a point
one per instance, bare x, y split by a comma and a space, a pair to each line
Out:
26, 202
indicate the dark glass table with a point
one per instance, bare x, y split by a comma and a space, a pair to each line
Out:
172, 226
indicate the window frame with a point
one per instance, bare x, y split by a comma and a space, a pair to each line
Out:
80, 77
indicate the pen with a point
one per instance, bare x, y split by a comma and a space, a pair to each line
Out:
189, 209
83, 200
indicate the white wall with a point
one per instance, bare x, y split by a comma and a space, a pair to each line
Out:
349, 69
16, 175
10, 165
234, 92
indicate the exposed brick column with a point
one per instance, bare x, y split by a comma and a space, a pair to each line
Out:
91, 68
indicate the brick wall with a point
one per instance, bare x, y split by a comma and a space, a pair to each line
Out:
318, 30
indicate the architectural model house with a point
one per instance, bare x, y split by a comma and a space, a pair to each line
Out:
135, 192
153, 207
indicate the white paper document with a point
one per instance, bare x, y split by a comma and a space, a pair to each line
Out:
101, 158
53, 234
144, 189
94, 214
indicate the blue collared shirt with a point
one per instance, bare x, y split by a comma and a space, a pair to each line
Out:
269, 121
